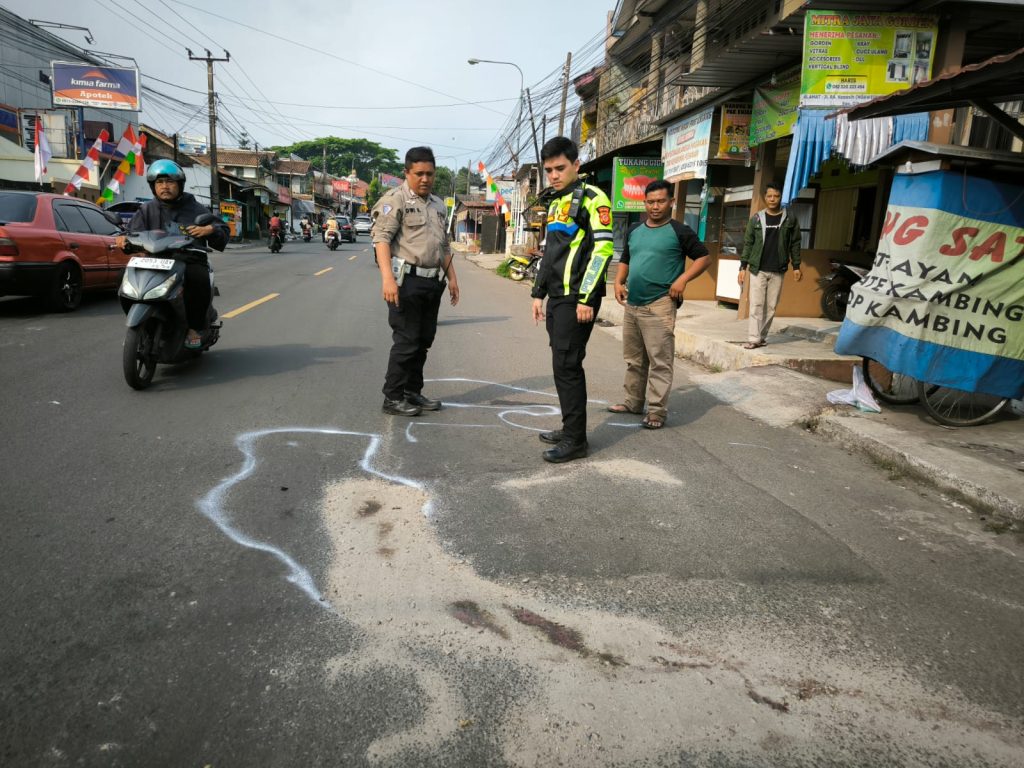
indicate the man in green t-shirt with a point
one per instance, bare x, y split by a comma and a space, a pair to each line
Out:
650, 283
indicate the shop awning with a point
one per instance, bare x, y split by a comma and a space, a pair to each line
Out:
303, 206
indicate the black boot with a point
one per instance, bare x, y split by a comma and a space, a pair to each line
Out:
566, 451
400, 408
424, 403
553, 438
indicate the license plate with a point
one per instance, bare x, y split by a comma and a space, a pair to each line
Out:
148, 262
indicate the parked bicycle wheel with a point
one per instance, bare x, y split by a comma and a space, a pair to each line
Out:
957, 408
889, 387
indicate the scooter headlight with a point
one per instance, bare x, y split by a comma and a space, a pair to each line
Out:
161, 290
128, 288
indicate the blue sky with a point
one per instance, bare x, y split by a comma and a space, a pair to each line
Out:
340, 68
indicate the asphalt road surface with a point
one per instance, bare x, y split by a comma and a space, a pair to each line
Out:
249, 565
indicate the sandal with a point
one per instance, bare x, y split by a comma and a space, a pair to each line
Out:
652, 422
621, 408
754, 344
193, 342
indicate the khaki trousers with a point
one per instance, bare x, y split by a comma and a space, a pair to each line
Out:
765, 289
649, 347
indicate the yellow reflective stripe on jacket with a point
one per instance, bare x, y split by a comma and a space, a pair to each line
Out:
601, 228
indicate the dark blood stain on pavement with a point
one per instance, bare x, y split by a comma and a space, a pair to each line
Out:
386, 552
473, 615
369, 508
556, 633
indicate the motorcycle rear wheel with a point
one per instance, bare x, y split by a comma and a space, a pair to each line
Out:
957, 408
516, 273
834, 300
137, 356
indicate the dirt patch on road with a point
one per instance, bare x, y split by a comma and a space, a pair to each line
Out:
607, 688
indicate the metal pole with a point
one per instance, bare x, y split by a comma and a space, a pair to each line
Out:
565, 93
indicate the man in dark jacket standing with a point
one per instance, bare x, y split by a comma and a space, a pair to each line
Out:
770, 244
572, 278
172, 209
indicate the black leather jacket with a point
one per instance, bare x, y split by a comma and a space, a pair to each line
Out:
156, 214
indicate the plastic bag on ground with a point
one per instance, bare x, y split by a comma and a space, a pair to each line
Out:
859, 396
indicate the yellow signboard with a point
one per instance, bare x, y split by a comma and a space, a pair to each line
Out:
852, 57
734, 136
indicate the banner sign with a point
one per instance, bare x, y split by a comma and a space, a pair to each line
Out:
87, 85
9, 122
851, 57
630, 177
506, 188
944, 301
389, 181
684, 150
734, 132
774, 109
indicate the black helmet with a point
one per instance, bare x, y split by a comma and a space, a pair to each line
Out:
165, 169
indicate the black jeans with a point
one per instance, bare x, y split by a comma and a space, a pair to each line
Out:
568, 338
197, 295
413, 326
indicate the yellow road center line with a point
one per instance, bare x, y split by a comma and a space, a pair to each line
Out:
322, 272
250, 305
353, 257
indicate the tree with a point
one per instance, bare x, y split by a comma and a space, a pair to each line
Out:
367, 157
374, 192
475, 180
443, 178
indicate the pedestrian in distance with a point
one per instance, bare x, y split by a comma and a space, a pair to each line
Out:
650, 283
415, 258
771, 243
578, 247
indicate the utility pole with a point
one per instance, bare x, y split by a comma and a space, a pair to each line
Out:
469, 172
323, 177
212, 96
565, 93
533, 127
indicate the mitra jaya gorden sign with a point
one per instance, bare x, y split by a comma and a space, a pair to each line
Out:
87, 85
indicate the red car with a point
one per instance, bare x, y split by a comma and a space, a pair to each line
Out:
55, 247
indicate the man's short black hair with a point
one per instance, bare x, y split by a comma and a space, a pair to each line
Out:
559, 145
657, 184
419, 155
773, 185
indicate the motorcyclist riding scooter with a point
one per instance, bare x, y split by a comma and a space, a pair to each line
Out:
276, 236
172, 209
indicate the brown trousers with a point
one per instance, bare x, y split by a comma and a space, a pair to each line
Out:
649, 347
765, 290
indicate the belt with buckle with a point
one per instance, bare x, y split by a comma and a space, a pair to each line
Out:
424, 271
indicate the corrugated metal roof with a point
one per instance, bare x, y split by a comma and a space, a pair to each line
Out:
998, 79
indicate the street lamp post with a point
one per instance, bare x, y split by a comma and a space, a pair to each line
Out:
515, 151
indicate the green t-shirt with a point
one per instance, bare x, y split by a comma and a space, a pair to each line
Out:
656, 257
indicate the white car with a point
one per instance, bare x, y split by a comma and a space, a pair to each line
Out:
362, 225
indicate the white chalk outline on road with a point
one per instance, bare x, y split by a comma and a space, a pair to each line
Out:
212, 505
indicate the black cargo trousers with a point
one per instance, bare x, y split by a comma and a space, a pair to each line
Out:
413, 326
568, 338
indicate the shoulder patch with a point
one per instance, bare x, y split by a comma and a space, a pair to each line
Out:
604, 215
386, 209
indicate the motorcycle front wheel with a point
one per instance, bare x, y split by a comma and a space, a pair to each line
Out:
138, 356
516, 273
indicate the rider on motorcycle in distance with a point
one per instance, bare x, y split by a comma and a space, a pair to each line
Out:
171, 209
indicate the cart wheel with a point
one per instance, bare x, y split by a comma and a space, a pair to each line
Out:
957, 408
891, 388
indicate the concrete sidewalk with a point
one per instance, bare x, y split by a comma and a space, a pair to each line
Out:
785, 383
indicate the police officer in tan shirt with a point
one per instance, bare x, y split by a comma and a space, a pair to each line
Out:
411, 244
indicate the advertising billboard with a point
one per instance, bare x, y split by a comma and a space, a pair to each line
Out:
630, 177
734, 132
88, 85
774, 108
851, 57
684, 150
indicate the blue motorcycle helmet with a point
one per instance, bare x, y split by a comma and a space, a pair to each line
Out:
165, 169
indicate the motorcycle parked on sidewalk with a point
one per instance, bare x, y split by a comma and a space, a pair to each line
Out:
524, 267
151, 295
835, 288
333, 239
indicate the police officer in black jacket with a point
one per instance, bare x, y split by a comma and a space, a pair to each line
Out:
170, 209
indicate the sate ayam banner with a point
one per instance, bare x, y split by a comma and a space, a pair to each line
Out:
852, 56
87, 85
944, 301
